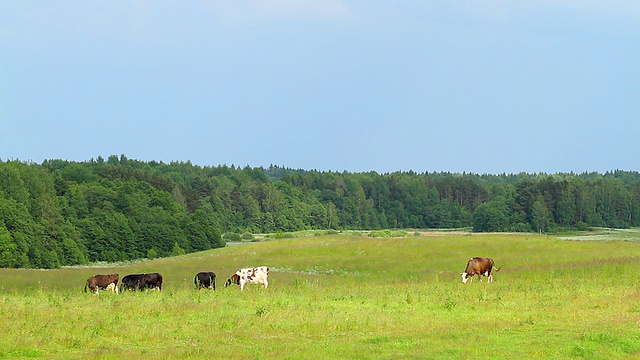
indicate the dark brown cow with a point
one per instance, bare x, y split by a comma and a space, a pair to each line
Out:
142, 281
205, 279
102, 282
152, 281
480, 266
131, 281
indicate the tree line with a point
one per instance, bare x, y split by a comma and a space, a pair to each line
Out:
62, 212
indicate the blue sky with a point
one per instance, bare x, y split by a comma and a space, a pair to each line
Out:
470, 85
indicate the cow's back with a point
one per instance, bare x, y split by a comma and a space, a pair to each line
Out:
479, 265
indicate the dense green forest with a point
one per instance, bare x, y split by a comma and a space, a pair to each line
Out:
64, 213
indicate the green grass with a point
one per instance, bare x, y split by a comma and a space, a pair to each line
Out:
344, 296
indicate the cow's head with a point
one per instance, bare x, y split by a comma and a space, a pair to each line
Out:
465, 277
234, 279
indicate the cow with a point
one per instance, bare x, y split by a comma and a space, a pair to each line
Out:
132, 281
205, 280
255, 275
142, 281
102, 282
480, 266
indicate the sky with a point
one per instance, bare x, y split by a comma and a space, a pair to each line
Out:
480, 86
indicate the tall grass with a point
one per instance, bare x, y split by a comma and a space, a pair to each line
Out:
347, 297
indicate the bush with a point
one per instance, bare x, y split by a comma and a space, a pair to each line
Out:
326, 232
582, 226
388, 233
231, 236
283, 235
177, 250
248, 236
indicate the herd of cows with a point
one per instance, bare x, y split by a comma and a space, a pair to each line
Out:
153, 281
481, 266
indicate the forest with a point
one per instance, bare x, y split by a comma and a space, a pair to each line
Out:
63, 213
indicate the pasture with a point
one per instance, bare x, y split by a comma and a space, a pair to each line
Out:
344, 297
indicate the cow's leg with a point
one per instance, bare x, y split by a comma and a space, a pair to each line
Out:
490, 277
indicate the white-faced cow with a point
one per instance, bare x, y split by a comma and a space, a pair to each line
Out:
255, 275
480, 266
151, 281
102, 282
205, 279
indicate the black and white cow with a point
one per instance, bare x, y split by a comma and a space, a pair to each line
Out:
102, 282
205, 279
255, 275
142, 281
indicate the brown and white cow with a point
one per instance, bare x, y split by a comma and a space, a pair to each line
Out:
102, 282
480, 266
255, 275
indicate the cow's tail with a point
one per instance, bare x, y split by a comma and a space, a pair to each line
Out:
85, 287
496, 269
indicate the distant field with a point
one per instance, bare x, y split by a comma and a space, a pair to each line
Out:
346, 296
604, 234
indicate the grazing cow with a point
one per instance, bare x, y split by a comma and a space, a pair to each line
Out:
152, 281
132, 281
102, 282
205, 280
480, 266
256, 275
142, 281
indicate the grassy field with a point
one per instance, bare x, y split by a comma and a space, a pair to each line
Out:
345, 297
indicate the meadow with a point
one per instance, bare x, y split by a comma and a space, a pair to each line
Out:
345, 296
